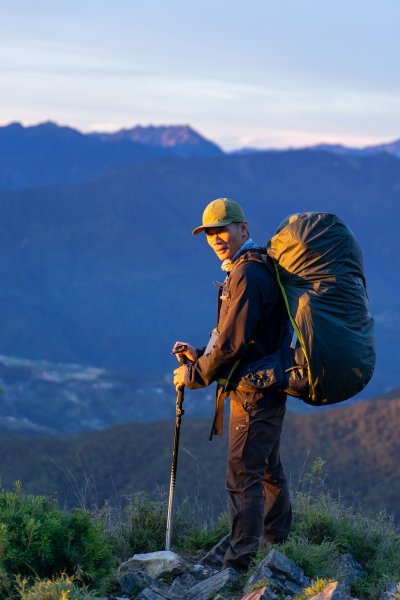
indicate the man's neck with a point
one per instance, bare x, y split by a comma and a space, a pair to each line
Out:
228, 263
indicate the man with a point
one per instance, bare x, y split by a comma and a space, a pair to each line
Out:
251, 324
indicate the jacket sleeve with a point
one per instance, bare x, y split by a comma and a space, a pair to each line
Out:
242, 313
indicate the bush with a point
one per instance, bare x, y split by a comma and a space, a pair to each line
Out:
39, 540
62, 588
324, 528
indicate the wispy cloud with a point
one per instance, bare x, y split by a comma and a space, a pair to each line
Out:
62, 59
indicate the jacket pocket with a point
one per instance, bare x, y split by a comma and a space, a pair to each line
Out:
265, 374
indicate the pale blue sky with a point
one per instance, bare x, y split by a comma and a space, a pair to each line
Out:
255, 73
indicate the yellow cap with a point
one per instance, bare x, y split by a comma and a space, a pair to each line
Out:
220, 212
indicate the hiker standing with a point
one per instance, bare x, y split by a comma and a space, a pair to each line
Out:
251, 324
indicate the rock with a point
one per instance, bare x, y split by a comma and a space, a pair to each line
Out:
148, 594
198, 571
277, 561
390, 590
163, 592
215, 556
262, 572
155, 564
133, 582
262, 593
210, 587
349, 570
286, 586
333, 591
282, 573
182, 584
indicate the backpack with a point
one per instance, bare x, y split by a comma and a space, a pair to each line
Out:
320, 271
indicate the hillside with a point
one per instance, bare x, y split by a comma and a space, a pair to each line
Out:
359, 442
43, 398
38, 397
107, 273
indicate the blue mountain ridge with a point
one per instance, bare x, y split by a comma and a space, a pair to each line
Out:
106, 271
48, 154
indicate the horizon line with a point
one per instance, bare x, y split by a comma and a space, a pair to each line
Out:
114, 128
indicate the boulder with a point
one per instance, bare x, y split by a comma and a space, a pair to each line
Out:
210, 587
182, 584
133, 581
282, 565
349, 570
155, 564
282, 573
262, 572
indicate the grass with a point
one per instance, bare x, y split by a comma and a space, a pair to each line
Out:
140, 527
324, 528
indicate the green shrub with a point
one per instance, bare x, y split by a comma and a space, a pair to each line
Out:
39, 540
323, 528
62, 588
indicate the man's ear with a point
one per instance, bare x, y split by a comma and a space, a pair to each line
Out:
244, 229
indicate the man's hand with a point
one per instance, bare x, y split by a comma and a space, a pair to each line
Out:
189, 352
179, 377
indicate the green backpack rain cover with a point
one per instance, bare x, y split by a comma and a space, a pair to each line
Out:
320, 271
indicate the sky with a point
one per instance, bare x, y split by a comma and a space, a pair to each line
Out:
260, 73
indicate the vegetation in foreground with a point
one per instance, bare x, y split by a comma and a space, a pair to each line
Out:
52, 554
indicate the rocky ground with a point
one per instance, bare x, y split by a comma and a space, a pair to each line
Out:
168, 576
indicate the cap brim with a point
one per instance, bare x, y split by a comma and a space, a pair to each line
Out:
198, 230
209, 225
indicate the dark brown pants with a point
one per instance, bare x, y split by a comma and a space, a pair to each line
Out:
257, 489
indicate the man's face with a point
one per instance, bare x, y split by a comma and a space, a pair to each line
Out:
226, 241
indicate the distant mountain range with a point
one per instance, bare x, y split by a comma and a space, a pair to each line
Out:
48, 154
179, 140
359, 443
97, 262
389, 148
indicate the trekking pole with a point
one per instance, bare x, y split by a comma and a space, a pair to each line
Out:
178, 419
